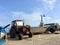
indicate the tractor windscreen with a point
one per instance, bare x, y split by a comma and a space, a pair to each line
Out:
19, 23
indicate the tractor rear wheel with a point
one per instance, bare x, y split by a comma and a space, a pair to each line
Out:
52, 30
12, 34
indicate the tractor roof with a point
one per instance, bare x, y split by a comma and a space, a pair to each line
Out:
17, 20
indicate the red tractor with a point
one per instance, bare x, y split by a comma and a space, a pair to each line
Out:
18, 29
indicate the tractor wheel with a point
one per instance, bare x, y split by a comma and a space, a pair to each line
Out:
30, 35
12, 34
20, 37
52, 30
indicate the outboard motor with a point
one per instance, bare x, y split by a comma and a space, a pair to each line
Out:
3, 34
2, 31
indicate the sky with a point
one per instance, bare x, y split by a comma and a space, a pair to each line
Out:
30, 11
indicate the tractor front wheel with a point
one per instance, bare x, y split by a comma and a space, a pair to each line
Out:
20, 36
30, 35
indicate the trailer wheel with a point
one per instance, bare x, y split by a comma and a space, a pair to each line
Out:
52, 30
30, 35
20, 37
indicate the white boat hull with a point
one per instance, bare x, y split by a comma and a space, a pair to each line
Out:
2, 35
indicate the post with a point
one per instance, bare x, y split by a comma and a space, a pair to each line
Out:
41, 23
23, 22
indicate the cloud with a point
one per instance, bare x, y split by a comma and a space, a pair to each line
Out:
46, 5
31, 18
49, 4
51, 20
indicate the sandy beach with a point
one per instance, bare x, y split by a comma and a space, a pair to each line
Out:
40, 39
